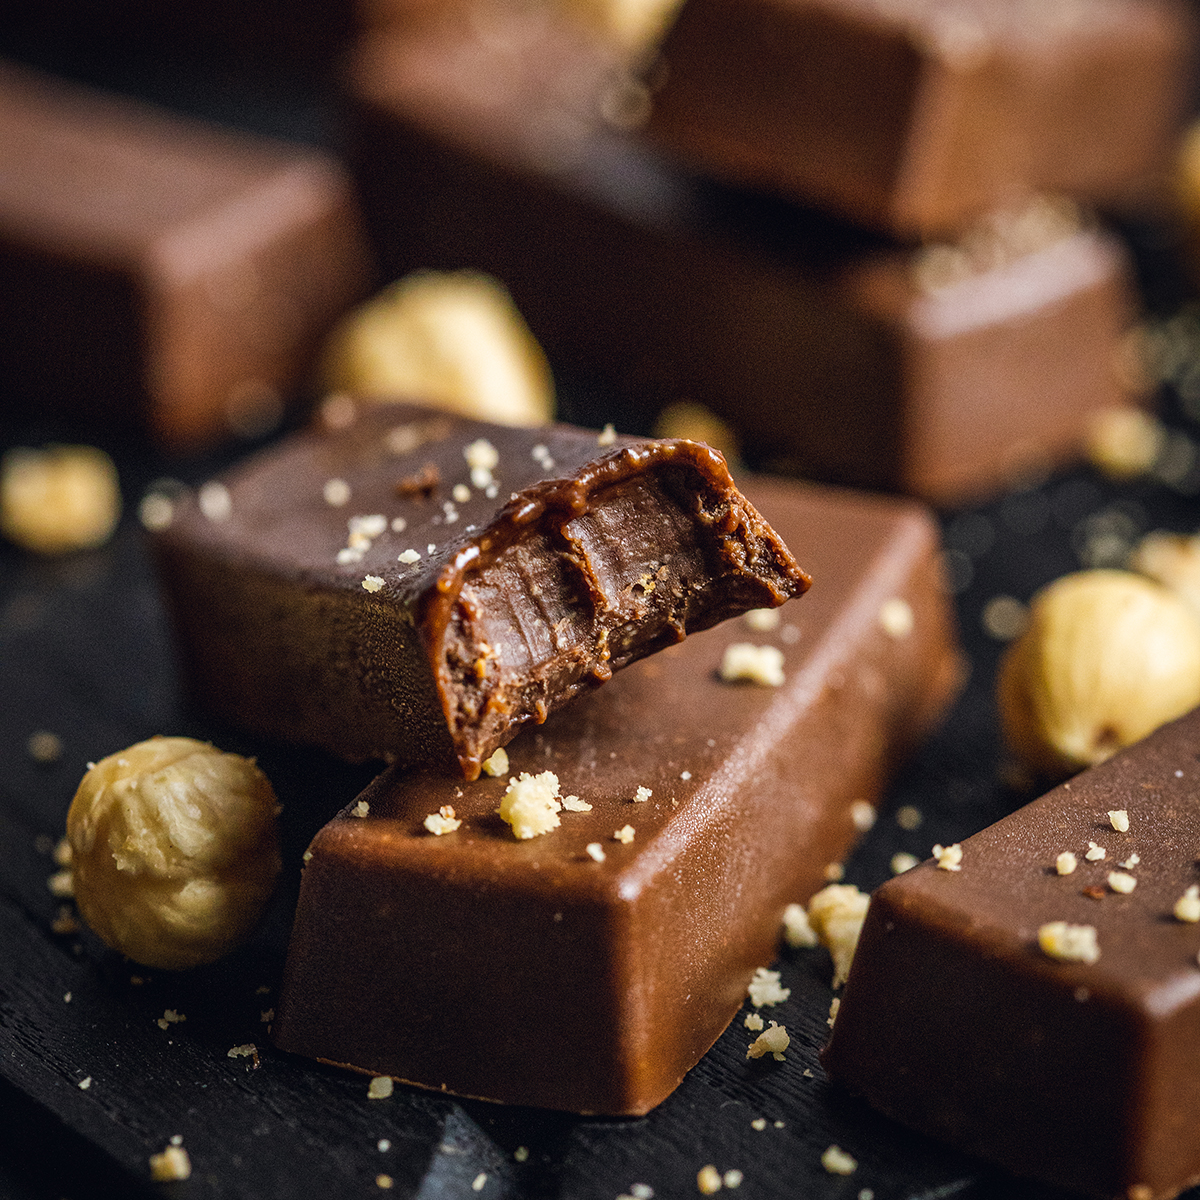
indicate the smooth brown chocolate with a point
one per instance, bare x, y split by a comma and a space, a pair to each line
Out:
416, 586
528, 972
1081, 1073
916, 117
833, 354
157, 271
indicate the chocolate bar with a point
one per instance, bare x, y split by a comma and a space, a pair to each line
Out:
590, 968
156, 271
1040, 1006
415, 586
916, 117
834, 354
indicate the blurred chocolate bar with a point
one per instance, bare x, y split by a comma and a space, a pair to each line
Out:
157, 271
836, 354
916, 117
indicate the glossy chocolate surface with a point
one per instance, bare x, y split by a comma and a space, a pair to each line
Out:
1082, 1074
427, 611
916, 117
529, 973
486, 147
155, 271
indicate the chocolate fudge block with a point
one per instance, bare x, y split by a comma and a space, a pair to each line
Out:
579, 971
915, 116
1083, 1072
834, 354
416, 586
159, 271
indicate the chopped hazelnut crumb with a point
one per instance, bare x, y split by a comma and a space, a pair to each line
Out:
1095, 853
1066, 863
949, 858
156, 511
896, 618
336, 493
442, 821
383, 1181
755, 664
753, 1022
834, 1005
834, 872
361, 809
762, 620
372, 583
215, 501
170, 1017
531, 804
909, 817
1121, 882
903, 861
837, 913
765, 988
624, 835
478, 1182
708, 1180
172, 1164
642, 795
797, 931
773, 1040
1131, 862
836, 1161
60, 499
65, 922
461, 493
607, 436
1187, 907
1119, 819
574, 804
497, 764
44, 747
733, 1178
521, 1154
862, 814
246, 1050
380, 1087
759, 1124
1069, 943
595, 852
482, 458
408, 557
61, 884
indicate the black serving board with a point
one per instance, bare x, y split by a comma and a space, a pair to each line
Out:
85, 653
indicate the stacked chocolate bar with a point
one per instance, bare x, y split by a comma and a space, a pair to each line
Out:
679, 221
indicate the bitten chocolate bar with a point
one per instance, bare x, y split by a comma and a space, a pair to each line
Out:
416, 586
589, 968
833, 354
1040, 1010
915, 116
156, 271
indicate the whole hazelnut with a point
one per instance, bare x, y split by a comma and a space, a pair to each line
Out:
175, 850
1107, 657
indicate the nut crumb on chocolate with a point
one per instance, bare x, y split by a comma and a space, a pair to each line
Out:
744, 661
836, 1161
1187, 907
380, 1087
1095, 853
361, 809
1069, 943
642, 795
949, 858
1066, 863
531, 804
1121, 882
624, 835
595, 852
497, 764
171, 1165
896, 617
1119, 819
442, 821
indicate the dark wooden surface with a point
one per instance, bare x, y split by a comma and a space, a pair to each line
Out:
85, 654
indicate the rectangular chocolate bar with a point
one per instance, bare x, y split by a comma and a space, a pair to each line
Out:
916, 117
155, 270
833, 354
1046, 1016
589, 969
415, 586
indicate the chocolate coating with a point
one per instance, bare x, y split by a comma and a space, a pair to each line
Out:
915, 117
1082, 1074
567, 560
488, 149
528, 973
157, 271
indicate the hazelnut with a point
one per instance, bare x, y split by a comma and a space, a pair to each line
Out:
1108, 656
59, 499
455, 340
175, 850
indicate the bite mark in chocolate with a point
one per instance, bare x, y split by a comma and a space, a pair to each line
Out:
479, 618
